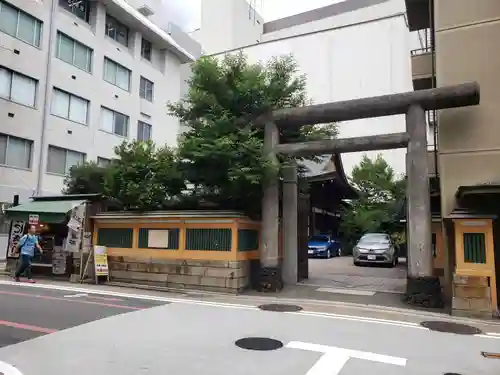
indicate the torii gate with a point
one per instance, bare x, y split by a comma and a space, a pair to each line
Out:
423, 287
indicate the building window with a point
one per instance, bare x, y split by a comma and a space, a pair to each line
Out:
116, 74
103, 162
116, 30
17, 87
146, 89
81, 8
19, 24
60, 160
146, 49
73, 52
114, 122
69, 106
15, 152
144, 131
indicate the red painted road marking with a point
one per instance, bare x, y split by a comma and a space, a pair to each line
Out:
106, 299
70, 300
27, 327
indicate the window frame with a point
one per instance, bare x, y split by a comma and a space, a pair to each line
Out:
143, 92
38, 26
117, 65
127, 127
67, 170
90, 51
14, 73
144, 44
100, 159
86, 13
28, 144
117, 26
141, 130
70, 97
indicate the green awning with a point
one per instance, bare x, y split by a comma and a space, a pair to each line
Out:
48, 211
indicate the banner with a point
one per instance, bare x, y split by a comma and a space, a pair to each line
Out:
75, 227
16, 232
101, 260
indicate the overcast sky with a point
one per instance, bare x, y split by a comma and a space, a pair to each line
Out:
186, 13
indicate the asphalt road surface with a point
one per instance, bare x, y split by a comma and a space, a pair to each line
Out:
26, 312
187, 338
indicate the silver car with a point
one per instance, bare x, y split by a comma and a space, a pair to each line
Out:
375, 248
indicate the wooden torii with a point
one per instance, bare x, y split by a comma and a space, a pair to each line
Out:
423, 287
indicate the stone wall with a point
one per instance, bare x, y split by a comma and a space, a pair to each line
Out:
471, 296
210, 275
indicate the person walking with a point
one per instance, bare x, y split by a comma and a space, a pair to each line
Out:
27, 245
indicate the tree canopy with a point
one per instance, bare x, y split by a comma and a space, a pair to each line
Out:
381, 195
219, 157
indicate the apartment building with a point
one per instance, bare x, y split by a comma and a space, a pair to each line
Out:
460, 44
347, 50
77, 77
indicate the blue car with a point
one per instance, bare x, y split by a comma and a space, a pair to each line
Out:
323, 246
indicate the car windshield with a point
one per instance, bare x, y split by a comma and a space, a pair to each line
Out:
319, 239
374, 238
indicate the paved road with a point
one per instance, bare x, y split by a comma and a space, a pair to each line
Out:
187, 338
26, 312
341, 273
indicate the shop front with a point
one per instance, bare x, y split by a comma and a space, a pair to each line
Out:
61, 227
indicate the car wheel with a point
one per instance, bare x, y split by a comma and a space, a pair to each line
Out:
393, 264
339, 252
356, 264
328, 254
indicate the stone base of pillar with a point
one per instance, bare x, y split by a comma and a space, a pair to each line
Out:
270, 279
424, 292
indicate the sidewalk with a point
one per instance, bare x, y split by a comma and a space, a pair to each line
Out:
290, 295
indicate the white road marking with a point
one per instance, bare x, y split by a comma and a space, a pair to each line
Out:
8, 369
76, 295
360, 319
334, 358
352, 318
489, 336
353, 292
329, 364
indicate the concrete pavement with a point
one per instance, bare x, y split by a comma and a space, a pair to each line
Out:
26, 313
190, 337
340, 272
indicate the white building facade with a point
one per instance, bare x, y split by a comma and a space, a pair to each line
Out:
348, 50
75, 81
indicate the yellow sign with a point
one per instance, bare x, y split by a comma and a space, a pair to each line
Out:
101, 261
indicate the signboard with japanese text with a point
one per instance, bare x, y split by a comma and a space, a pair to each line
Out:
16, 232
101, 261
33, 219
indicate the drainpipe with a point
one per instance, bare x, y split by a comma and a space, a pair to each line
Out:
433, 81
46, 104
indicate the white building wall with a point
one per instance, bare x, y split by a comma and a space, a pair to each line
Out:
227, 24
361, 60
26, 122
366, 14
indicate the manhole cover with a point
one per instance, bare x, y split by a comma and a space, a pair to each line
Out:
258, 343
448, 327
280, 308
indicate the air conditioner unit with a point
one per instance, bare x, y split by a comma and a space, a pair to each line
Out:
145, 10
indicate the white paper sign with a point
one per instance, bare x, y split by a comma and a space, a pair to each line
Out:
158, 239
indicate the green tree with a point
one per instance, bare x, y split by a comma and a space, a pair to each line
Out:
381, 195
142, 177
87, 178
221, 155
